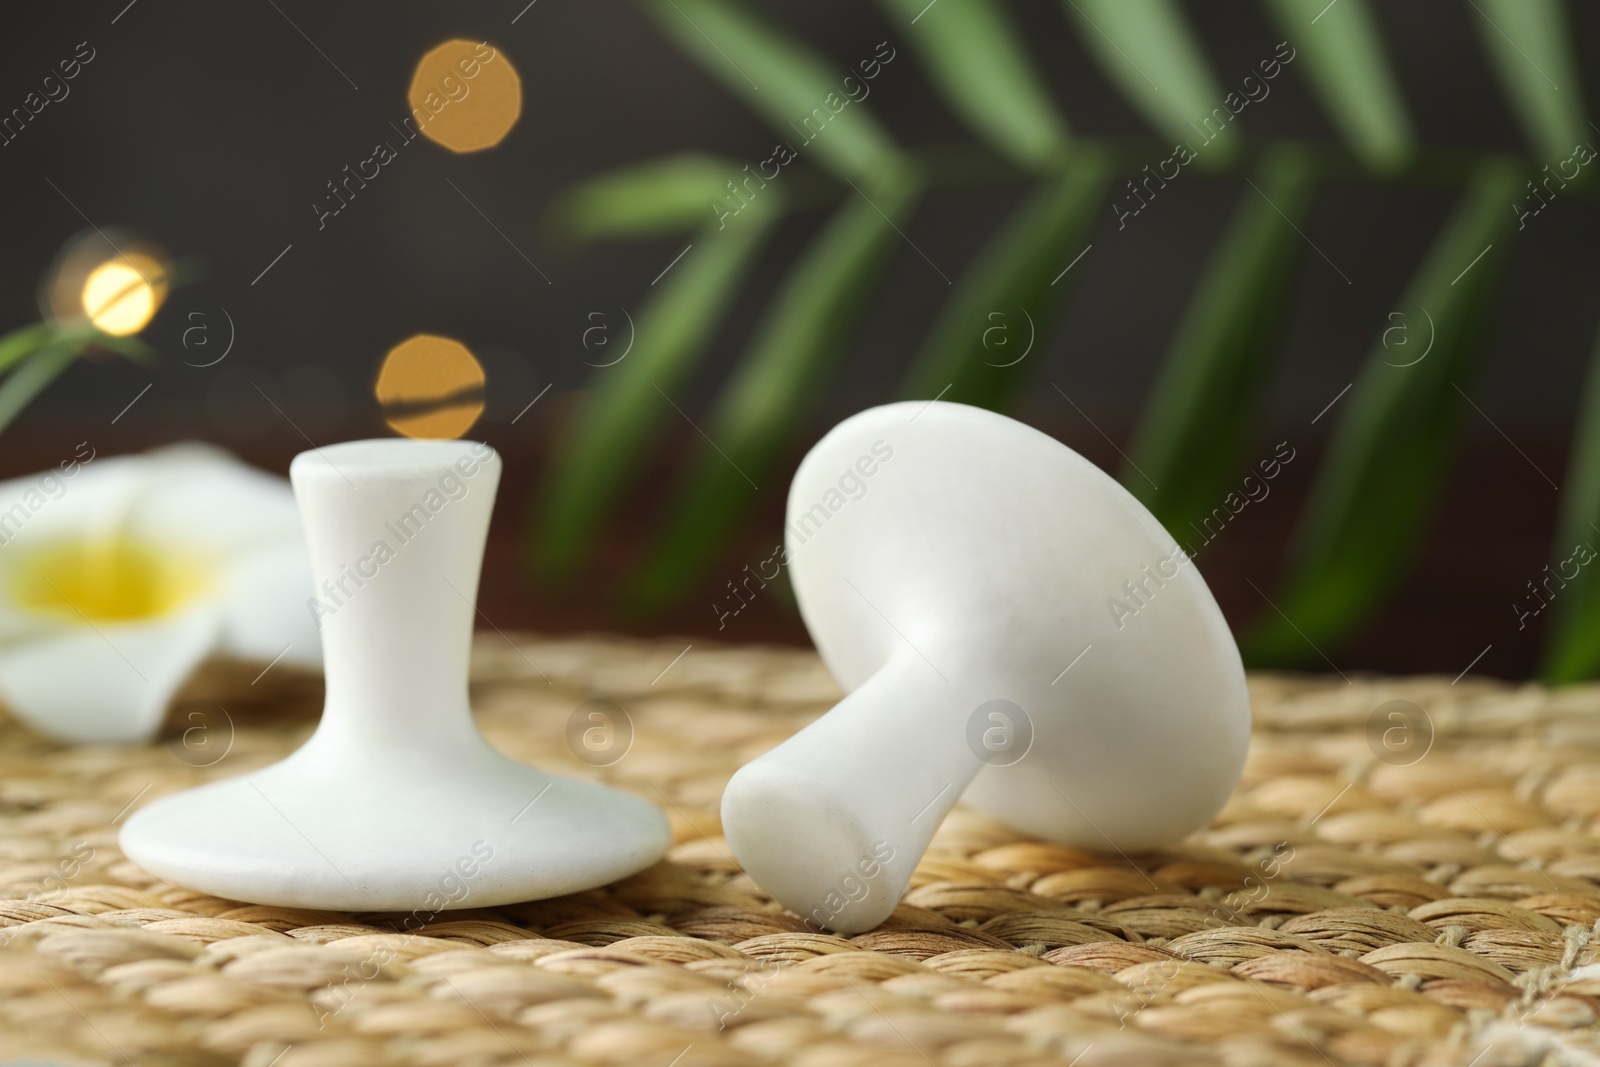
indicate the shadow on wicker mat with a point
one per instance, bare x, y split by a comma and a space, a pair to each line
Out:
1425, 897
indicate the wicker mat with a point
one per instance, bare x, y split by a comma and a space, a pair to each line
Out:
1426, 897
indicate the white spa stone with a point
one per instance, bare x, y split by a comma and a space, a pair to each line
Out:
1013, 629
396, 803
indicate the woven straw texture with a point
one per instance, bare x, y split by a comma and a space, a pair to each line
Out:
1343, 909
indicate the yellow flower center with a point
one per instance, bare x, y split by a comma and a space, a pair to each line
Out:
105, 579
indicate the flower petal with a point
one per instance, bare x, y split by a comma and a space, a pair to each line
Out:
199, 495
191, 494
264, 608
107, 684
71, 500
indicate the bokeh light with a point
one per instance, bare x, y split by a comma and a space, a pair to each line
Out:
121, 295
465, 95
114, 279
430, 387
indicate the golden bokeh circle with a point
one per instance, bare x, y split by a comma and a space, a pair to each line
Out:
121, 295
430, 387
465, 95
111, 279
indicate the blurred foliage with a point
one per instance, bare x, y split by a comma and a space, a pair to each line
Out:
96, 297
33, 356
1393, 438
1391, 449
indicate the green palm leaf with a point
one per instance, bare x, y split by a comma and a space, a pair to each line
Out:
1205, 407
1572, 650
798, 342
36, 372
1388, 458
663, 196
1148, 50
973, 53
1342, 57
784, 82
1529, 44
1391, 450
975, 352
601, 444
23, 342
131, 346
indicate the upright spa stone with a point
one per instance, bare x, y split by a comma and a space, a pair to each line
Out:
959, 595
396, 803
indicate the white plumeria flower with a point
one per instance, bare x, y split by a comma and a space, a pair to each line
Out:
119, 576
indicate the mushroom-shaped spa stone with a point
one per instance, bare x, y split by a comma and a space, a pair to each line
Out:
396, 803
1012, 627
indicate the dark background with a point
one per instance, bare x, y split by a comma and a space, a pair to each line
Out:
213, 129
